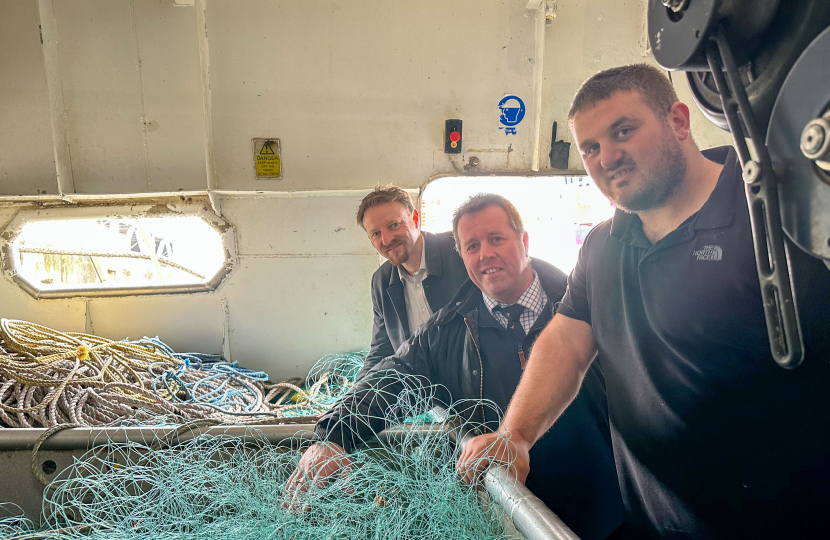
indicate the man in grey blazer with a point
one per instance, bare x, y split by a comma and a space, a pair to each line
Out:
422, 273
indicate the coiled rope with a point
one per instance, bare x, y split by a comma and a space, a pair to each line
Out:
50, 378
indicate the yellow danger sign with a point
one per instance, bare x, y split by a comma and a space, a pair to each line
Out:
267, 158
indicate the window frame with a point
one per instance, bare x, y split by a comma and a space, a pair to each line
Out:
545, 173
10, 255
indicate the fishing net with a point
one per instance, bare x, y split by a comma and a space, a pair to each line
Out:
328, 380
13, 523
219, 487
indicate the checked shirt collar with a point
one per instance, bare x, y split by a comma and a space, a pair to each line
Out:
533, 300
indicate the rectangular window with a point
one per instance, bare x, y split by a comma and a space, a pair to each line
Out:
557, 211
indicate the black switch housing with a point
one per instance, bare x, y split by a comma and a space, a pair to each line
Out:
452, 143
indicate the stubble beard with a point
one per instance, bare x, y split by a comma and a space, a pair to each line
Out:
402, 259
660, 184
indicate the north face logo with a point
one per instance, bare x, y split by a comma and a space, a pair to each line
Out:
709, 253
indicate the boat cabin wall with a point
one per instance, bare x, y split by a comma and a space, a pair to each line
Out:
140, 98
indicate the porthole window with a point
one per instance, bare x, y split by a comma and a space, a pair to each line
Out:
557, 211
66, 252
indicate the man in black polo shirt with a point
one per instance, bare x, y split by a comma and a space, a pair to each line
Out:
476, 348
711, 438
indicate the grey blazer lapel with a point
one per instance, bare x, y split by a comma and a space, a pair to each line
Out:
396, 295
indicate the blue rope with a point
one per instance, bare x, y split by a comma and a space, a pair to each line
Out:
214, 389
13, 522
227, 387
192, 359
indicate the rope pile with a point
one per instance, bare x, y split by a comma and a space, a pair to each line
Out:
223, 488
49, 378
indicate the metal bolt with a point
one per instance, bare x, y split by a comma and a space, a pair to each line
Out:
474, 161
676, 5
752, 170
815, 140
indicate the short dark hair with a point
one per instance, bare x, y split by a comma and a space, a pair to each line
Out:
382, 195
477, 203
648, 81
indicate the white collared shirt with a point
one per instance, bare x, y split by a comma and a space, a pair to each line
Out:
417, 307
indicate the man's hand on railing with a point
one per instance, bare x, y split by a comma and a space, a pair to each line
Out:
500, 447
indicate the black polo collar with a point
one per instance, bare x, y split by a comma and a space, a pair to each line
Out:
718, 211
628, 229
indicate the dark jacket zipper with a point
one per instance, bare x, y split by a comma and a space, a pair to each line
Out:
481, 372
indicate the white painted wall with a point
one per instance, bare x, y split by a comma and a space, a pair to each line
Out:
27, 165
300, 289
357, 91
588, 36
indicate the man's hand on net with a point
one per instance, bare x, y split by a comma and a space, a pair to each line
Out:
480, 452
319, 463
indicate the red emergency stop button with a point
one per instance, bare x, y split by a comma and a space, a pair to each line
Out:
452, 136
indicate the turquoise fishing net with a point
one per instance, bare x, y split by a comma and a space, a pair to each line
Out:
327, 381
13, 523
214, 486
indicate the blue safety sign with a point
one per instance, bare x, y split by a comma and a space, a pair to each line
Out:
512, 112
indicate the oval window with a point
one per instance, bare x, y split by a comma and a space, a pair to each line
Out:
52, 253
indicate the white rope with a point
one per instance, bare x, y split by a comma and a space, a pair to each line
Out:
49, 378
131, 255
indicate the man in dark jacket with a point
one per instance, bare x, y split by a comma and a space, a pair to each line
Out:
421, 275
476, 348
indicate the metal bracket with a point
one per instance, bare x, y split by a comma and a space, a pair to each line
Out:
771, 254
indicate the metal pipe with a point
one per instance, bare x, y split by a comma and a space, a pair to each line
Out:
57, 110
529, 514
538, 82
207, 102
